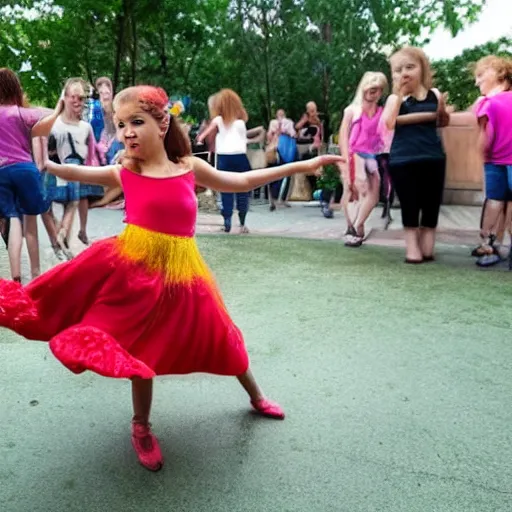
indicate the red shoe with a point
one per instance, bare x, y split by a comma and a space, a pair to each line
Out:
268, 408
146, 446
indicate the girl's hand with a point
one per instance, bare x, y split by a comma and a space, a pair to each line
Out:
50, 165
320, 161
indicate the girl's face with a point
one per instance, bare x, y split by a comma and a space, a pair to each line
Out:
486, 79
373, 94
74, 99
105, 93
407, 73
140, 133
280, 114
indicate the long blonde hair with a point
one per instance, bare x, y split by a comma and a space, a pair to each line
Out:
370, 80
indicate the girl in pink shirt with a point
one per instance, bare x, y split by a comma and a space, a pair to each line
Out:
360, 142
21, 191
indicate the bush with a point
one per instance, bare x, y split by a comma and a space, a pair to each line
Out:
330, 178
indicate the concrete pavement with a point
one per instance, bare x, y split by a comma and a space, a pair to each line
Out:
396, 382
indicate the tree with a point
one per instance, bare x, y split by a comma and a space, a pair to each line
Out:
455, 76
275, 53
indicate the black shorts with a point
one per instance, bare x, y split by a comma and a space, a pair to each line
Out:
419, 186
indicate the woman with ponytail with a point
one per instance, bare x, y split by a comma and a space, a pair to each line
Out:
144, 303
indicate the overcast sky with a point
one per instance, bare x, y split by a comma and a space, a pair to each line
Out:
494, 22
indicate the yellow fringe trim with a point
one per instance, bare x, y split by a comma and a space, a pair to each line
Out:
176, 258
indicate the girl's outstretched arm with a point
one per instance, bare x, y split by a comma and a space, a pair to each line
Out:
44, 126
211, 129
108, 176
223, 181
417, 118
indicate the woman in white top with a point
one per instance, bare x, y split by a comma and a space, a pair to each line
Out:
231, 146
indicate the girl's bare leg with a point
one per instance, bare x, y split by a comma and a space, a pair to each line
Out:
367, 185
412, 245
83, 214
427, 242
31, 236
110, 195
144, 441
258, 401
14, 248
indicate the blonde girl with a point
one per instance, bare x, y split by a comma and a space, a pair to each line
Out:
360, 142
417, 159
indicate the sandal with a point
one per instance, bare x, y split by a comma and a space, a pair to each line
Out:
355, 240
488, 260
268, 408
479, 250
351, 231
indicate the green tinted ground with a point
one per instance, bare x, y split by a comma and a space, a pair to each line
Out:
396, 382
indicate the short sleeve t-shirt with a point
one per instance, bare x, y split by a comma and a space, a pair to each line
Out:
498, 110
231, 139
16, 125
71, 142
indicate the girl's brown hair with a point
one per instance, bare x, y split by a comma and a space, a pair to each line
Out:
501, 65
229, 106
417, 54
11, 92
154, 101
103, 80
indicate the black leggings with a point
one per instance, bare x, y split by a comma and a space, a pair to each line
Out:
419, 186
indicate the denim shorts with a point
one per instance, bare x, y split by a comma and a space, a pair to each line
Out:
90, 191
21, 190
60, 193
498, 182
367, 156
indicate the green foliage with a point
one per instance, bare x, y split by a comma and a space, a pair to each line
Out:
455, 76
274, 53
330, 178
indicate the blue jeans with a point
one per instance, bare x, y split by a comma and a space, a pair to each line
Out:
498, 182
21, 190
234, 163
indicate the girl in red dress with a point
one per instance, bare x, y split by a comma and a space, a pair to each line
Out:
144, 303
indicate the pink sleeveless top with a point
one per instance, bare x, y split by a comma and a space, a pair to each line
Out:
165, 205
365, 134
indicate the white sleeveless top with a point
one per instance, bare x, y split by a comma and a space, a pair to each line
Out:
231, 139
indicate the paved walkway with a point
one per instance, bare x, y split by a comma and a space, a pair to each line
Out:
458, 225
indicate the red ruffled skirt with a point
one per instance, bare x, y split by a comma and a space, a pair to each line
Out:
138, 305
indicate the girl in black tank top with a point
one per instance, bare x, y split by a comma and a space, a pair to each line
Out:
417, 159
420, 141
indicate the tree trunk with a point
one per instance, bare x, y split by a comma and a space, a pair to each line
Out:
121, 19
134, 51
268, 99
326, 85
